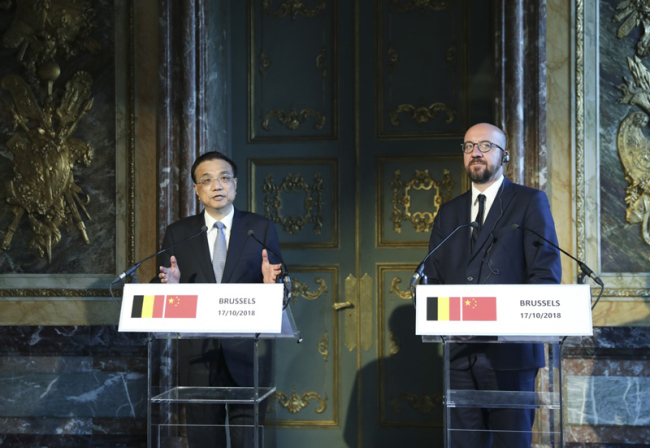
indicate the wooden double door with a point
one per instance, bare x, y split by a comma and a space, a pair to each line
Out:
345, 120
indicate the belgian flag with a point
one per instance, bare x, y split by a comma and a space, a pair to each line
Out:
148, 306
443, 308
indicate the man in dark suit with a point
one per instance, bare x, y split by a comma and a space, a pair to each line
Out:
224, 254
493, 253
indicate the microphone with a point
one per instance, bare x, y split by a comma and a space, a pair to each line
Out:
584, 269
418, 272
133, 268
284, 272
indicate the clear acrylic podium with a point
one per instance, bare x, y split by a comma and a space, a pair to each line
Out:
505, 314
546, 400
167, 399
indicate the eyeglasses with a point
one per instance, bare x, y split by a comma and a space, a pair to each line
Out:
208, 181
483, 146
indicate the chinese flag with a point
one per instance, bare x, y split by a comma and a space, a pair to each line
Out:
479, 308
181, 306
148, 306
443, 308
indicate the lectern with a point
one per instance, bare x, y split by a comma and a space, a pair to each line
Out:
506, 314
171, 313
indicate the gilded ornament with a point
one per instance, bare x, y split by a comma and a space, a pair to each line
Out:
265, 63
321, 62
422, 114
313, 202
424, 404
421, 5
299, 288
394, 289
293, 119
634, 147
294, 403
394, 345
45, 153
323, 346
422, 180
293, 8
634, 13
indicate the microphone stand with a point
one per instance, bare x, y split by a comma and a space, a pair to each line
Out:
585, 271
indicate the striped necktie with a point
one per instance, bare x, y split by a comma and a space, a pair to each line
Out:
219, 253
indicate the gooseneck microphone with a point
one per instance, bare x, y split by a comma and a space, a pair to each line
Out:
420, 269
133, 268
284, 272
585, 271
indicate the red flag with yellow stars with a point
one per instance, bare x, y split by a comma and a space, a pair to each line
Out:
181, 306
479, 308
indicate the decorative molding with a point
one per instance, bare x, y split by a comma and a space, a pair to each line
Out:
422, 114
295, 403
632, 15
394, 345
293, 8
299, 288
424, 404
321, 64
265, 63
313, 202
394, 289
52, 293
293, 119
323, 346
422, 221
420, 5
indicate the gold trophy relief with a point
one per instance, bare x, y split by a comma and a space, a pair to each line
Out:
42, 192
634, 147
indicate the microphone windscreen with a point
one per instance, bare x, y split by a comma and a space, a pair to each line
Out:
204, 229
251, 232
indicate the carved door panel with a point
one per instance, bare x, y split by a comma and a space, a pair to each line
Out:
346, 123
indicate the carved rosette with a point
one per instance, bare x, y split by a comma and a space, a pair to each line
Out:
424, 404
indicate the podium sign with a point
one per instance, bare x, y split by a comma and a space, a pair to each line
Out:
503, 310
202, 308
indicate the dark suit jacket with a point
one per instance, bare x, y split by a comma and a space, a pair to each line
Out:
243, 265
502, 255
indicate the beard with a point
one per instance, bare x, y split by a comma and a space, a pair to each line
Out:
480, 177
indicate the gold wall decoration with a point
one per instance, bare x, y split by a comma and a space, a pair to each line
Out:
299, 288
394, 345
293, 119
321, 62
421, 114
323, 346
424, 404
634, 147
393, 58
45, 153
313, 203
394, 289
422, 180
633, 14
295, 403
293, 8
421, 5
265, 63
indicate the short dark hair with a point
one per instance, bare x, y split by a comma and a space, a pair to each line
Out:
212, 155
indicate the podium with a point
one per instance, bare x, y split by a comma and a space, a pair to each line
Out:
181, 313
481, 316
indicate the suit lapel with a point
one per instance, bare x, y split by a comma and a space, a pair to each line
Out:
202, 250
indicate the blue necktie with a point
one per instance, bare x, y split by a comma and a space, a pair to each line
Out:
219, 255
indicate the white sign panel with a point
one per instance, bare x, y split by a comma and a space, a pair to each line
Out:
202, 308
503, 310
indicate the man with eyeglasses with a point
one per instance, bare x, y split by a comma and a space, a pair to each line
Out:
224, 254
493, 253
